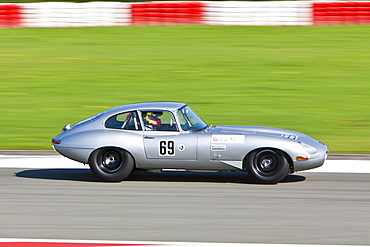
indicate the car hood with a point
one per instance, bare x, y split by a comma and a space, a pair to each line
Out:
257, 130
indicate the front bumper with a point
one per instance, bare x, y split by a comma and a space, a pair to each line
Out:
314, 161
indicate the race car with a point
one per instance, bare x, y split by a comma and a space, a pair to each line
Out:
152, 136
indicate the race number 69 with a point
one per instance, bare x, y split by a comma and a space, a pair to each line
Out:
166, 148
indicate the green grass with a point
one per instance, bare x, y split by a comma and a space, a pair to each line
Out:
315, 80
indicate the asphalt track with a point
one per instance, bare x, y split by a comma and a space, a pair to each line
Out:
320, 208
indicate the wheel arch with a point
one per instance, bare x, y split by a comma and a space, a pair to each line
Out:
287, 156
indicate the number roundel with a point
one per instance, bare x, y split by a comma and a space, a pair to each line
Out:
166, 147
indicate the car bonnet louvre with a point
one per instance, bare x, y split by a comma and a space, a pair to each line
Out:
236, 131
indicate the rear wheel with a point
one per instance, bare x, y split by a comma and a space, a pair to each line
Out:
267, 166
111, 164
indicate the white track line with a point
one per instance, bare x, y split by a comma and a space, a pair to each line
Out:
344, 166
148, 243
39, 162
59, 162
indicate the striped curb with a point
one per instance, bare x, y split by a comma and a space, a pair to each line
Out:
229, 13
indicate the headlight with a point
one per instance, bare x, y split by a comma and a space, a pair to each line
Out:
311, 150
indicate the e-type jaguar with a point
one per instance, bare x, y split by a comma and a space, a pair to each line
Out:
152, 136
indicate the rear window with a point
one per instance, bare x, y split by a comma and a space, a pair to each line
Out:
125, 121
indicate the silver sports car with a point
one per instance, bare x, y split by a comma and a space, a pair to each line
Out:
152, 136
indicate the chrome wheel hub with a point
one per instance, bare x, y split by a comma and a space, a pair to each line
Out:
110, 160
266, 163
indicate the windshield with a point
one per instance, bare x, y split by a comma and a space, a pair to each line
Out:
189, 121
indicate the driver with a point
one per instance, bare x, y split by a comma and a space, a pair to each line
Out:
151, 120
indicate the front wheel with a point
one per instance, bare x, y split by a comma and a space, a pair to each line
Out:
111, 164
267, 166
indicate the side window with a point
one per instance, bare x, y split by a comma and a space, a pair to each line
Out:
126, 121
158, 121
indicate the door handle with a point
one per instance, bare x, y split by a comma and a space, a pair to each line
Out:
149, 137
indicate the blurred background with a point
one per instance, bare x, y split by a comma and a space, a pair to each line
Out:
308, 78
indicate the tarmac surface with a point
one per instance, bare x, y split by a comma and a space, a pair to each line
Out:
306, 208
47, 196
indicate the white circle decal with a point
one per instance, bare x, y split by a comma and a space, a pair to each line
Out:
181, 147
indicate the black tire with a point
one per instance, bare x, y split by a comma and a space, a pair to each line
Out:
111, 164
267, 166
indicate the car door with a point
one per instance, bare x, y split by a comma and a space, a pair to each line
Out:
163, 140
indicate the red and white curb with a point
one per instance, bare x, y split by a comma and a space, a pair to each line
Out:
8, 242
59, 162
228, 13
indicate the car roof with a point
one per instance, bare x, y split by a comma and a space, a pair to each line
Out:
167, 106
